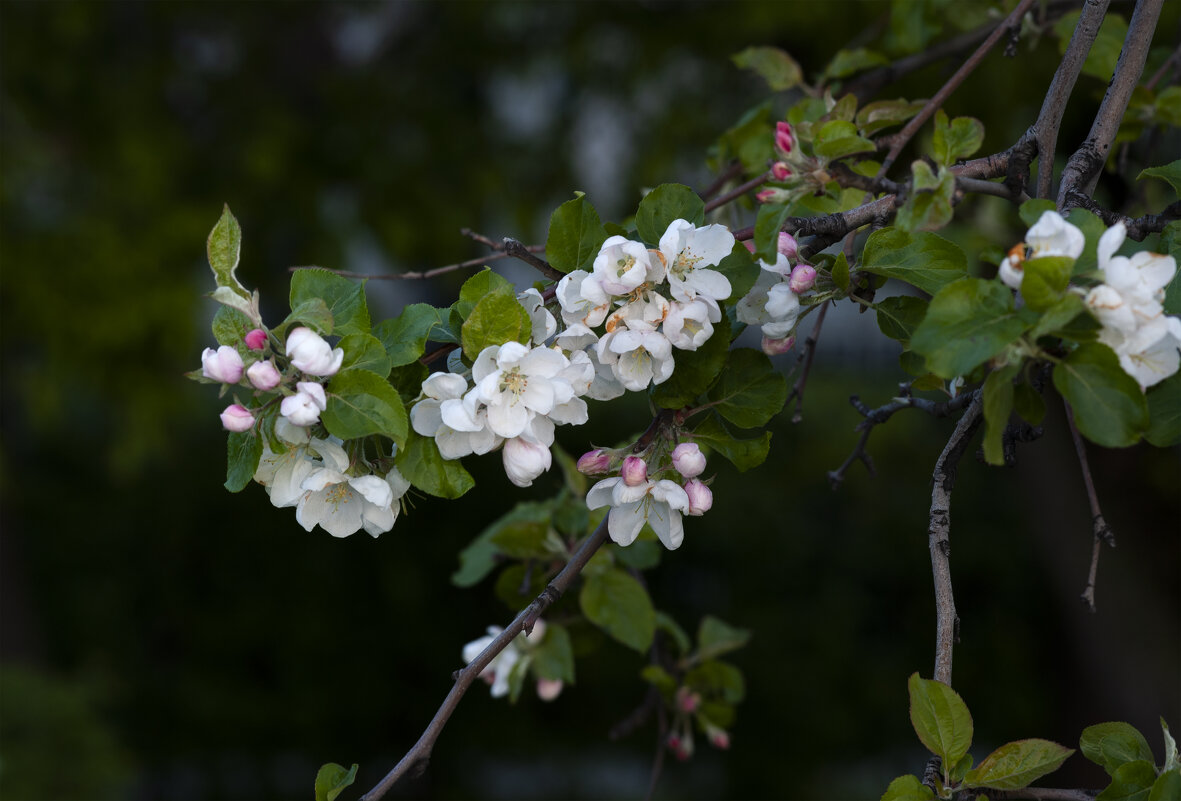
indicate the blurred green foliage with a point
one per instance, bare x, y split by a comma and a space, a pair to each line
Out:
238, 653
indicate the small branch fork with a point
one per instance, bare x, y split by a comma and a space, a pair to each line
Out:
947, 622
875, 417
1101, 531
417, 758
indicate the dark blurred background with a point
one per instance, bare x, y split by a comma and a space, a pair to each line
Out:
165, 639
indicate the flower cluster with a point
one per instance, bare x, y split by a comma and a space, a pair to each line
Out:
514, 659
1128, 301
638, 496
773, 302
794, 174
647, 302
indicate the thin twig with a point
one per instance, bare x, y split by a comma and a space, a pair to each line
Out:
1082, 169
947, 622
797, 391
419, 756
518, 251
738, 191
977, 186
1099, 528
1138, 227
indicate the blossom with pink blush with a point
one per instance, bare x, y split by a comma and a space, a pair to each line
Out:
803, 276
594, 463
784, 140
774, 347
634, 471
787, 245
767, 195
780, 171
304, 407
237, 418
223, 364
701, 498
256, 339
549, 689
688, 459
264, 375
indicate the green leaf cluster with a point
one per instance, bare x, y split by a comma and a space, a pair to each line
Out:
1121, 750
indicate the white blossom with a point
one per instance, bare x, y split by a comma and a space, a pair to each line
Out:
688, 326
223, 364
544, 324
311, 354
659, 503
637, 358
621, 265
688, 252
525, 460
516, 383
304, 407
342, 504
582, 300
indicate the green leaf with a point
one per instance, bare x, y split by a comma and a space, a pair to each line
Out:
1131, 781
715, 637
1113, 744
479, 286
768, 224
332, 779
923, 260
313, 313
344, 298
715, 677
575, 235
664, 204
1109, 407
243, 451
230, 326
1171, 757
1092, 228
940, 718
998, 405
749, 391
882, 114
840, 272
405, 336
1170, 172
695, 370
1105, 50
618, 604
407, 379
740, 270
668, 625
523, 539
928, 206
478, 559
968, 322
1018, 764
957, 139
554, 658
659, 678
1167, 786
419, 461
640, 555
848, 62
900, 315
1057, 316
748, 141
1170, 240
1028, 403
365, 352
1045, 280
742, 453
773, 65
1164, 412
361, 403
223, 248
907, 788
498, 318
839, 138
1032, 210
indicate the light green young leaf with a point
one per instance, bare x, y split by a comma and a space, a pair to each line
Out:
230, 326
1167, 786
496, 319
940, 718
1171, 757
419, 461
243, 451
1109, 407
1056, 316
1018, 764
575, 235
479, 286
1131, 781
620, 606
742, 453
928, 207
344, 298
659, 678
1045, 281
998, 405
332, 779
361, 403
840, 272
956, 139
773, 65
968, 322
1169, 172
313, 313
223, 248
1113, 744
907, 788
923, 260
664, 204
882, 114
715, 637
839, 138
749, 391
848, 62
748, 141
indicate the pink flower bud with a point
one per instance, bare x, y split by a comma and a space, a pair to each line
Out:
525, 460
700, 497
688, 459
718, 738
594, 463
784, 140
223, 364
264, 375
774, 347
780, 171
256, 339
634, 471
803, 276
237, 418
549, 689
767, 195
687, 700
787, 245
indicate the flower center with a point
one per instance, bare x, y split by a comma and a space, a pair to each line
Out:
338, 494
514, 381
684, 263
623, 265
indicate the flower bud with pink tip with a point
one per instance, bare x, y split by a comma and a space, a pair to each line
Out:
304, 407
803, 276
311, 354
256, 339
223, 364
787, 246
549, 689
774, 347
784, 141
718, 738
688, 459
780, 171
634, 471
701, 498
264, 375
687, 700
237, 418
594, 463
